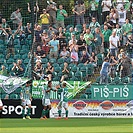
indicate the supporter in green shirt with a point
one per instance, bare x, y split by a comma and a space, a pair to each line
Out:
89, 39
127, 30
106, 33
3, 71
61, 14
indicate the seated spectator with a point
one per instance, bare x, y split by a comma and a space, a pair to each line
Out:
93, 59
18, 68
28, 30
81, 44
3, 71
6, 26
65, 72
39, 52
49, 71
51, 31
109, 23
65, 54
84, 57
73, 50
54, 47
3, 33
94, 24
38, 71
62, 42
45, 47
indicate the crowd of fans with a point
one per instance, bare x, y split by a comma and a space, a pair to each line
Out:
66, 46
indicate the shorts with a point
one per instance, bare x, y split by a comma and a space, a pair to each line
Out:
26, 102
1, 104
46, 102
63, 104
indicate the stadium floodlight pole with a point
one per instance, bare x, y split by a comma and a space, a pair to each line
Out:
32, 37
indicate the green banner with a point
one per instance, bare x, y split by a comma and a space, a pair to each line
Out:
112, 92
74, 87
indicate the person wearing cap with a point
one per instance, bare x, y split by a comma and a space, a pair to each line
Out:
105, 68
44, 20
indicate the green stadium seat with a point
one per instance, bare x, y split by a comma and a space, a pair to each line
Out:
60, 61
3, 96
1, 61
57, 69
78, 75
88, 93
1, 42
59, 74
10, 61
90, 69
74, 69
71, 65
24, 56
26, 61
17, 56
73, 79
83, 96
79, 28
16, 41
52, 60
14, 96
81, 65
56, 78
2, 55
56, 65
83, 72
44, 60
62, 66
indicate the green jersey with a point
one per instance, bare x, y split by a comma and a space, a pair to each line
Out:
63, 95
60, 14
87, 37
46, 95
25, 93
127, 28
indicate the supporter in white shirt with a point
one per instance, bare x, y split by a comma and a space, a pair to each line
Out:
122, 16
114, 43
106, 5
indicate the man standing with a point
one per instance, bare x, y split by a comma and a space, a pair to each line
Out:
26, 99
18, 68
44, 20
79, 10
63, 101
104, 70
61, 14
114, 43
51, 9
46, 100
54, 47
16, 18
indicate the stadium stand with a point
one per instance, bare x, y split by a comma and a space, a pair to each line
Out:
90, 71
